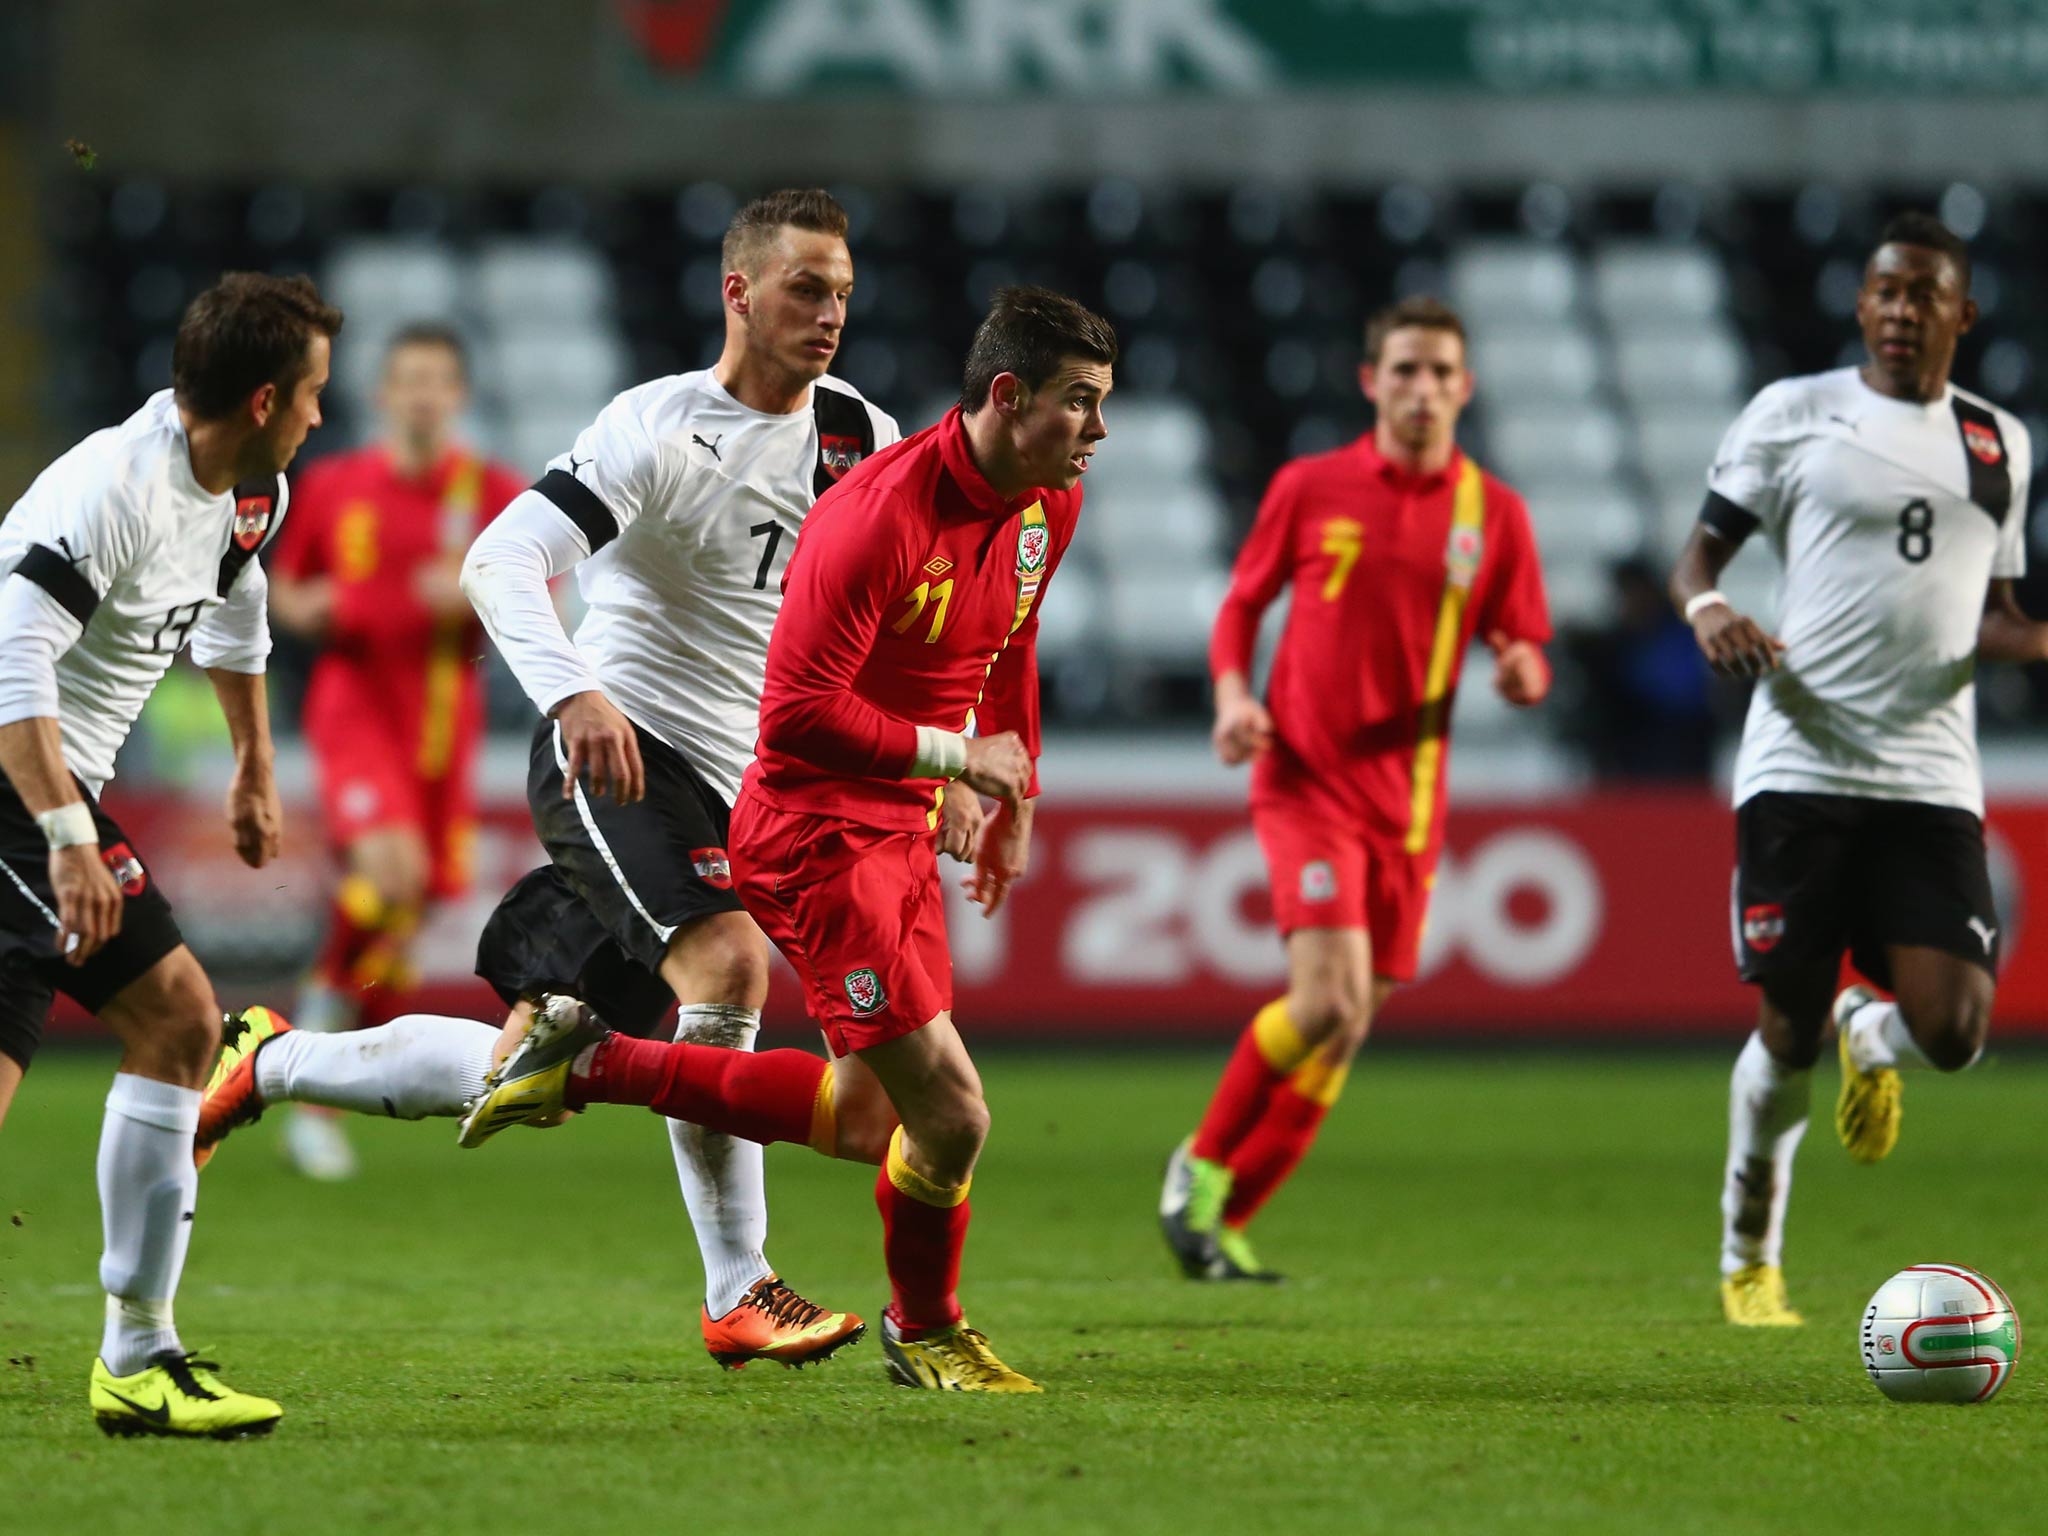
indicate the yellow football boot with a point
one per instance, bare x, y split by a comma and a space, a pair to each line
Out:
1754, 1297
177, 1395
1868, 1109
526, 1088
957, 1360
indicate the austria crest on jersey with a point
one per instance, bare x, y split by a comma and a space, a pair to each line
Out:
252, 520
1034, 546
1983, 442
839, 452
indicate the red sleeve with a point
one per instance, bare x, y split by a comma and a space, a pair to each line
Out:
300, 551
1515, 602
1009, 699
848, 566
1262, 569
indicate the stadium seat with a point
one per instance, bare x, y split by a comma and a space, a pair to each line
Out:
400, 279
1162, 617
1677, 444
1693, 364
1173, 524
1591, 519
1494, 281
574, 367
1556, 361
1651, 283
557, 282
1550, 442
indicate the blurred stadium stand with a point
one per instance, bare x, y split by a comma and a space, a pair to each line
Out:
1615, 334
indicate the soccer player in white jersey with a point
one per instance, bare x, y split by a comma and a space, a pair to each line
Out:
140, 539
678, 508
1896, 505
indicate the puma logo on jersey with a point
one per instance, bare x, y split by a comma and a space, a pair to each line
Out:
1845, 421
1984, 932
576, 464
70, 558
711, 447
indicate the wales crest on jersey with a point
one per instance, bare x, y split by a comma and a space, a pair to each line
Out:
864, 992
252, 520
1034, 547
1461, 557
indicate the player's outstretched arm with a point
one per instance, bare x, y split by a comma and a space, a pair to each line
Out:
1734, 645
255, 814
2006, 633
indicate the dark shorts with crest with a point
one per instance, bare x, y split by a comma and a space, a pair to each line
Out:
32, 972
1818, 876
596, 921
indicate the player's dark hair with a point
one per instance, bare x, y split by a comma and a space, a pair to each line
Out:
1922, 229
430, 333
1030, 332
1418, 312
247, 330
753, 228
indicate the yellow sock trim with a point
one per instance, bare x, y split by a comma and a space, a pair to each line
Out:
1319, 1082
910, 1182
359, 902
825, 1118
1277, 1038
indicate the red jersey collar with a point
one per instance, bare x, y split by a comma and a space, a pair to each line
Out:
434, 475
1395, 474
972, 482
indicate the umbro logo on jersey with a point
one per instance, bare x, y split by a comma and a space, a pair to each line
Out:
1984, 931
710, 447
938, 565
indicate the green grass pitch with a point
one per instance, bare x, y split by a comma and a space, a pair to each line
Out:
1503, 1317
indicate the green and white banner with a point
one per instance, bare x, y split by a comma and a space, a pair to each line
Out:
966, 48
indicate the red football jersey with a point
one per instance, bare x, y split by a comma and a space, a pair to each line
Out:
1393, 574
357, 521
911, 599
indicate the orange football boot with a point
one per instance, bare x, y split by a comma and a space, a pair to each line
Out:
772, 1322
231, 1099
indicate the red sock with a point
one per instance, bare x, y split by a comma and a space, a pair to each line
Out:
1267, 1051
355, 925
921, 1246
1276, 1145
762, 1096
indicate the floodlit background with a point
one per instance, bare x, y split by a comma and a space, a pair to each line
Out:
1644, 211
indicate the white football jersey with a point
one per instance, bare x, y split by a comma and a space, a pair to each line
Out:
115, 558
697, 501
1889, 518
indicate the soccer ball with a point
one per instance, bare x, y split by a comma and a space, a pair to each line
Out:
1940, 1333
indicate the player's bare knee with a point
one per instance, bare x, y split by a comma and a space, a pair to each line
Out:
1954, 1037
169, 1021
1322, 1013
719, 960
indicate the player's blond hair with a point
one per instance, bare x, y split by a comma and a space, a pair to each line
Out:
753, 229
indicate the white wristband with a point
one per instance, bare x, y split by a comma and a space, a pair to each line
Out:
1703, 600
68, 825
940, 754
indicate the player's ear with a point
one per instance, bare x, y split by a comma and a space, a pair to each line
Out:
1969, 319
1008, 394
1367, 384
738, 294
262, 403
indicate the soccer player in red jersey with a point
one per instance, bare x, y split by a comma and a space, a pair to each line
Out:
367, 569
1399, 551
909, 616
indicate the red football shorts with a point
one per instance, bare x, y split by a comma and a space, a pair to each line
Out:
858, 912
369, 782
1327, 875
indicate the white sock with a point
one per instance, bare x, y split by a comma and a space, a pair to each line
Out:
724, 1183
147, 1190
1878, 1037
419, 1064
1767, 1105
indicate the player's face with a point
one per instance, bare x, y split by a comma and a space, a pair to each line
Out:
1056, 426
1912, 307
1419, 383
293, 416
795, 306
422, 393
